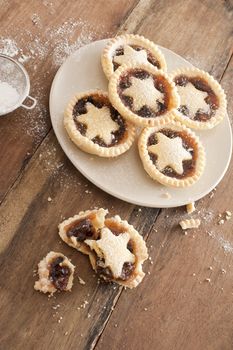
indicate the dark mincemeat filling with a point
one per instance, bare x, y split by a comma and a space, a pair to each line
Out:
99, 102
188, 144
59, 275
81, 230
150, 58
160, 84
200, 84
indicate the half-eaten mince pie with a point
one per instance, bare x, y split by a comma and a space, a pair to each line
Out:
86, 225
55, 273
128, 48
143, 94
96, 127
202, 99
172, 154
116, 250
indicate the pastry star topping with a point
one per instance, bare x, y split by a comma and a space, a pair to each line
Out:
99, 123
131, 55
113, 249
170, 152
193, 98
144, 93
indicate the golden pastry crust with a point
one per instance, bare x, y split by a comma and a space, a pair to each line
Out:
216, 108
139, 251
149, 106
73, 227
45, 283
172, 154
87, 130
107, 58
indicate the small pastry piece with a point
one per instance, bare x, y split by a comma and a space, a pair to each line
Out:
189, 223
128, 48
116, 250
172, 154
190, 207
202, 99
96, 127
143, 94
55, 273
86, 225
119, 253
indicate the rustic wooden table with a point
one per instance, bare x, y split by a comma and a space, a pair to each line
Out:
175, 307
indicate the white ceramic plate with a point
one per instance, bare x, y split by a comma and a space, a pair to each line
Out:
124, 177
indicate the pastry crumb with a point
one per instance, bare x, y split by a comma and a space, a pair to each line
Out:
166, 195
189, 223
81, 281
207, 280
190, 207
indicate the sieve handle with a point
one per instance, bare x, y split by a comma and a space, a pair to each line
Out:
32, 105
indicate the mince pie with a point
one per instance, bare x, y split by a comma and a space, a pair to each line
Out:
128, 48
55, 273
116, 250
172, 154
202, 100
96, 127
143, 94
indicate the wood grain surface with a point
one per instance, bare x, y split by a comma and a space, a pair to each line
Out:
186, 298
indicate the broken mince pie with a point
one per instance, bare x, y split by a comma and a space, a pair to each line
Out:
96, 127
172, 154
86, 225
55, 273
129, 48
143, 94
202, 100
116, 250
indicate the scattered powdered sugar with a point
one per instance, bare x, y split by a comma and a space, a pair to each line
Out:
33, 48
8, 47
8, 96
225, 244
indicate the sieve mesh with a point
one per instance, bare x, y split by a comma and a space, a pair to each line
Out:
14, 74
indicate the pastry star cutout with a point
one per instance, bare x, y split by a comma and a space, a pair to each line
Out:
113, 249
98, 122
193, 98
144, 93
170, 152
131, 55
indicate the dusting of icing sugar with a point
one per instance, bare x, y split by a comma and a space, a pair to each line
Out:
54, 46
8, 47
225, 244
8, 96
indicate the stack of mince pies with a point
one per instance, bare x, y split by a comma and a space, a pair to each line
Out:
141, 94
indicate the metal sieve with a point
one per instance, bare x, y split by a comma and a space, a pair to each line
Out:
13, 73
